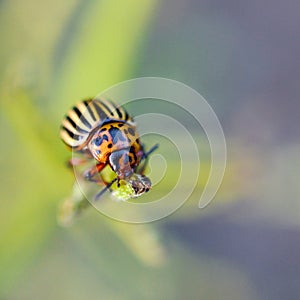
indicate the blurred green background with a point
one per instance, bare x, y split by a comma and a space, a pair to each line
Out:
243, 57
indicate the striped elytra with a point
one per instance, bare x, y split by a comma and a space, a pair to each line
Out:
80, 121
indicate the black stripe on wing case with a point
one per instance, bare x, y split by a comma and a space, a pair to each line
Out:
106, 107
77, 128
126, 115
81, 117
87, 104
100, 111
119, 113
116, 109
71, 134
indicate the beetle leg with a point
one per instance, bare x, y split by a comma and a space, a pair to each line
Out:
94, 174
89, 174
78, 161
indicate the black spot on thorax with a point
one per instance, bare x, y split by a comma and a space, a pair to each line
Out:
98, 141
116, 135
131, 131
105, 137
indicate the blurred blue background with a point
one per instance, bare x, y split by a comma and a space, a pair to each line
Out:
243, 57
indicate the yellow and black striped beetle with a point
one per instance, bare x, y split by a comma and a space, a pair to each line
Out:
101, 130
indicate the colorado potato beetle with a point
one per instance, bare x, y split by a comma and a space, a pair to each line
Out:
102, 131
